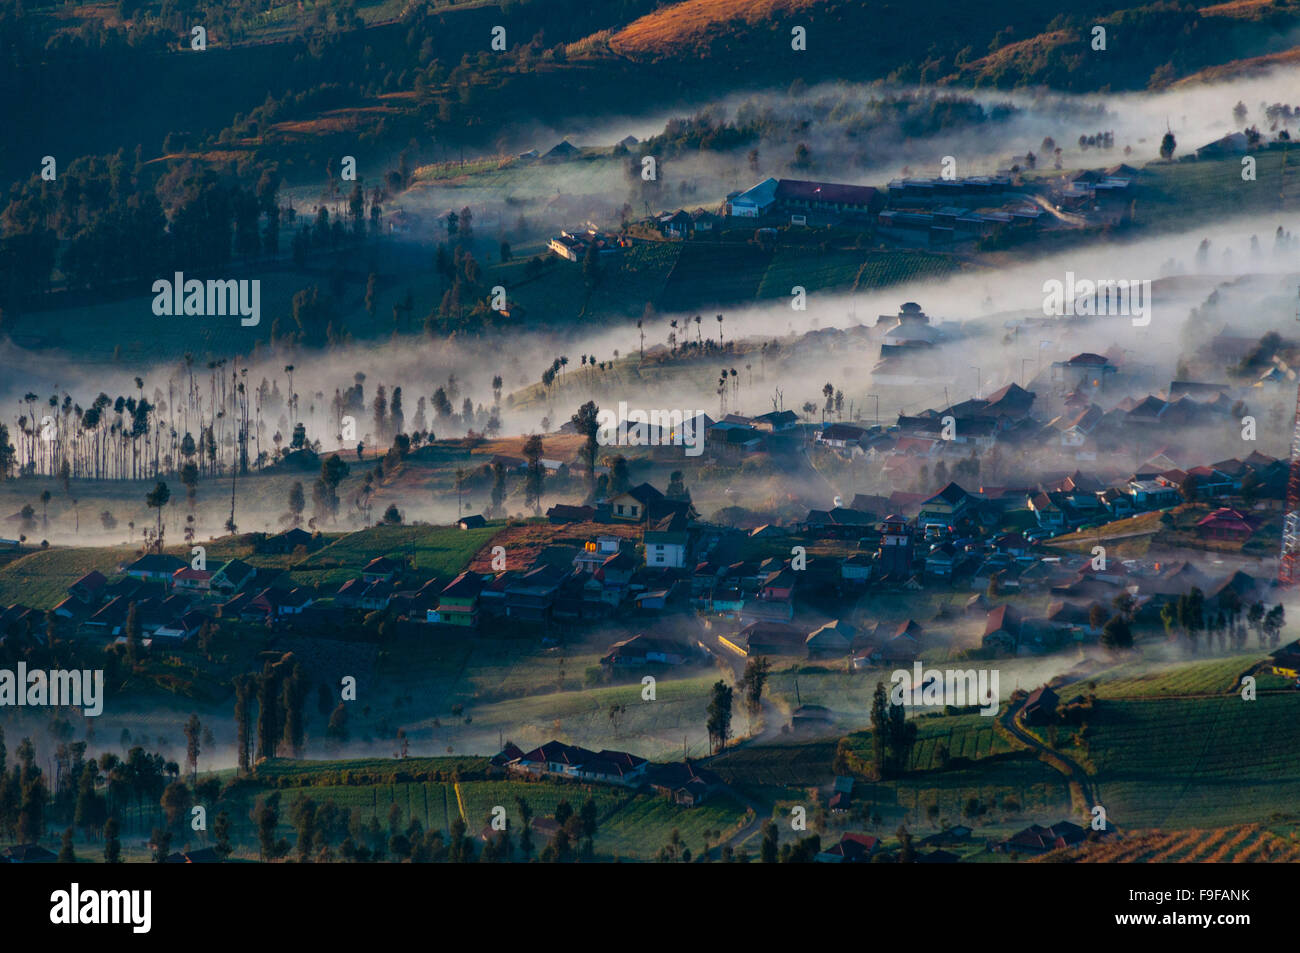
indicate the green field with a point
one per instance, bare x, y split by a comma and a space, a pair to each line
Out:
645, 824
478, 798
441, 551
1216, 677
41, 579
777, 765
1197, 763
1183, 193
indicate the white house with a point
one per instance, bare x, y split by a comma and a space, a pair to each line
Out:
753, 202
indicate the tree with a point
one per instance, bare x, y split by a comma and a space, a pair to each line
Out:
1167, 146
1191, 615
591, 270
768, 851
586, 424
620, 479
906, 853
243, 685
112, 842
752, 684
879, 717
66, 854
292, 698
221, 832
297, 503
1116, 634
1273, 623
266, 815
134, 640
162, 845
535, 478
193, 731
719, 716
498, 487
156, 499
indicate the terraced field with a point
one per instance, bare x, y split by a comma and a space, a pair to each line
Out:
1196, 763
1240, 844
41, 579
442, 551
1217, 677
891, 268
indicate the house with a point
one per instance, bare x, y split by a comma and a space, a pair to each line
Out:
88, 589
458, 601
839, 523
949, 837
192, 580
614, 767
1040, 706
155, 566
1152, 495
288, 541
1086, 371
617, 570
767, 638
381, 569
643, 649
1002, 630
702, 220
945, 508
675, 224
183, 627
1225, 523
1233, 144
897, 645
777, 421
594, 552
570, 761
856, 569
1074, 619
754, 202
666, 544
109, 619
634, 505
562, 513
376, 596
682, 782
1036, 839
833, 638
529, 598
471, 522
840, 436
777, 586
851, 849
797, 196
811, 718
231, 577
562, 150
